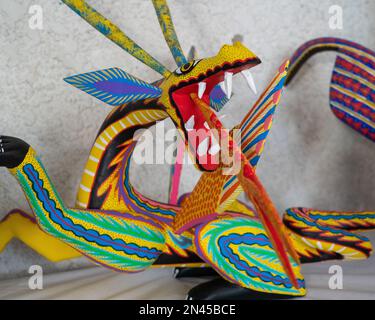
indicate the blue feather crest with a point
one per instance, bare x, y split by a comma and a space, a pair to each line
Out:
114, 86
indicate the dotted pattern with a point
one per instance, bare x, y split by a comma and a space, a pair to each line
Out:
202, 202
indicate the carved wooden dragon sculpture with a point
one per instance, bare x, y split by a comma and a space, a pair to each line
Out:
119, 228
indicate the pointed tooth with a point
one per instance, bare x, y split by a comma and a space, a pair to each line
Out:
228, 77
202, 148
206, 125
201, 89
189, 125
250, 80
215, 147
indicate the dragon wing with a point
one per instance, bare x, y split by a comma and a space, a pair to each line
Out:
254, 131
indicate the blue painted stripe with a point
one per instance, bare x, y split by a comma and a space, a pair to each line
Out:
225, 244
342, 216
278, 87
256, 140
323, 228
141, 204
57, 216
259, 123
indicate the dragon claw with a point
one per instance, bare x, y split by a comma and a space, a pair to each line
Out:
12, 151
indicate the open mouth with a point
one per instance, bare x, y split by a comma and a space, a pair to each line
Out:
199, 136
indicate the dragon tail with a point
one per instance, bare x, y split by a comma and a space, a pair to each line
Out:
308, 49
349, 221
322, 235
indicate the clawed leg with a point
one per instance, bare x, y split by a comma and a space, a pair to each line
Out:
125, 242
18, 224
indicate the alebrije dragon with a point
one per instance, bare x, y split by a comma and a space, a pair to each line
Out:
119, 228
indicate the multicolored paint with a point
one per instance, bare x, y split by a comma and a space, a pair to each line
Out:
119, 228
114, 86
254, 130
166, 24
124, 242
320, 236
112, 32
243, 242
352, 88
325, 235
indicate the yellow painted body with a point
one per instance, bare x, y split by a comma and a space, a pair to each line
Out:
17, 226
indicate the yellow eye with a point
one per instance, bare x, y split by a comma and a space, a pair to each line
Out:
187, 67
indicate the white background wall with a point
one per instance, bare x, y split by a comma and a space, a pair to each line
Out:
311, 159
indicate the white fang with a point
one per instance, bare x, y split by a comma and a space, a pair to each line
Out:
189, 125
228, 77
250, 80
202, 148
215, 147
201, 89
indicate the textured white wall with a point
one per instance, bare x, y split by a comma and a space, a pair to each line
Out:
311, 159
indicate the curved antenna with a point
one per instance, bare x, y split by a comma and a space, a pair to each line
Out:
166, 24
112, 32
170, 36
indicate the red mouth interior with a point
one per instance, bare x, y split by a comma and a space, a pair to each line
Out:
187, 109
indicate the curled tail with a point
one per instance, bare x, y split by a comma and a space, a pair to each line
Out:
349, 221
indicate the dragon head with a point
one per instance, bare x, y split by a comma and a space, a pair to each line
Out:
201, 77
116, 87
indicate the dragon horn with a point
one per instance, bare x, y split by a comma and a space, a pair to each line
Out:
166, 24
170, 36
113, 33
